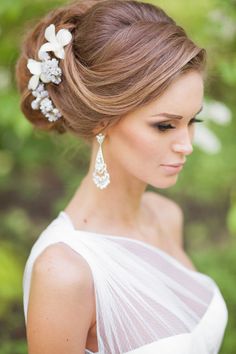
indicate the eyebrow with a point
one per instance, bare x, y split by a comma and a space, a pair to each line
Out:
172, 116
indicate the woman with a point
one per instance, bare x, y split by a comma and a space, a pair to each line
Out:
109, 274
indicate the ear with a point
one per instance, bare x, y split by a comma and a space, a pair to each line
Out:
102, 127
106, 126
99, 129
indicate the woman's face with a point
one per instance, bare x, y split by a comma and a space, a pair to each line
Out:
141, 145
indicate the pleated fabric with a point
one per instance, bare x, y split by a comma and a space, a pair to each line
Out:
147, 302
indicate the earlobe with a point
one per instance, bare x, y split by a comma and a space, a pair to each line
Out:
101, 128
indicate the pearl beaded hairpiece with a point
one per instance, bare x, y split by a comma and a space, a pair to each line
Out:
47, 70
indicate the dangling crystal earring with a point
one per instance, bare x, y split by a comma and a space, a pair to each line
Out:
100, 176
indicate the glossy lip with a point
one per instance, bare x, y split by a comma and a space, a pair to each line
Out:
174, 164
172, 169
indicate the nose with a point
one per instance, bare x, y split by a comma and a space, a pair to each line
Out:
184, 146
186, 150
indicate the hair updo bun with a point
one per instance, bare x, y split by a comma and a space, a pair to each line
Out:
123, 54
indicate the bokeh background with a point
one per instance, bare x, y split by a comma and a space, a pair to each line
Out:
39, 172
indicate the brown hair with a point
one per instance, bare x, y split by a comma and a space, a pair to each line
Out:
124, 54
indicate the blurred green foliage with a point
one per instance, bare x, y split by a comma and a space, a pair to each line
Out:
39, 172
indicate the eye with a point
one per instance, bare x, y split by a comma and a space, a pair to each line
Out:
195, 120
163, 127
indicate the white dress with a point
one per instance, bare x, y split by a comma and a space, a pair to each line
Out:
147, 302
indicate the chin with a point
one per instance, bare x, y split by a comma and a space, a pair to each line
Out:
165, 183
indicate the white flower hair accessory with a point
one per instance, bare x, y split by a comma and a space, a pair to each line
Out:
47, 70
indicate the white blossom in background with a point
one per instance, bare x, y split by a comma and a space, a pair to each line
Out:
216, 112
204, 138
5, 78
226, 25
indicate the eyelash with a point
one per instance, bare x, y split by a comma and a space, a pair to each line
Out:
164, 127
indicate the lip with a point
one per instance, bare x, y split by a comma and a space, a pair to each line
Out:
173, 168
174, 164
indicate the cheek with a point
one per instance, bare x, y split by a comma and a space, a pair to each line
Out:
140, 142
138, 147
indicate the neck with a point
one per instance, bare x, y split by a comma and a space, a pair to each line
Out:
115, 208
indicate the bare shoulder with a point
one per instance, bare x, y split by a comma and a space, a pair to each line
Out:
61, 304
169, 213
64, 264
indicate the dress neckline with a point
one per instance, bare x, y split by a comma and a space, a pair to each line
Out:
205, 278
144, 243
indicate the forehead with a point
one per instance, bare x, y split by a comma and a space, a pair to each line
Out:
184, 96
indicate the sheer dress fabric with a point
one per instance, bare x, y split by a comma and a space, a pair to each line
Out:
147, 302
